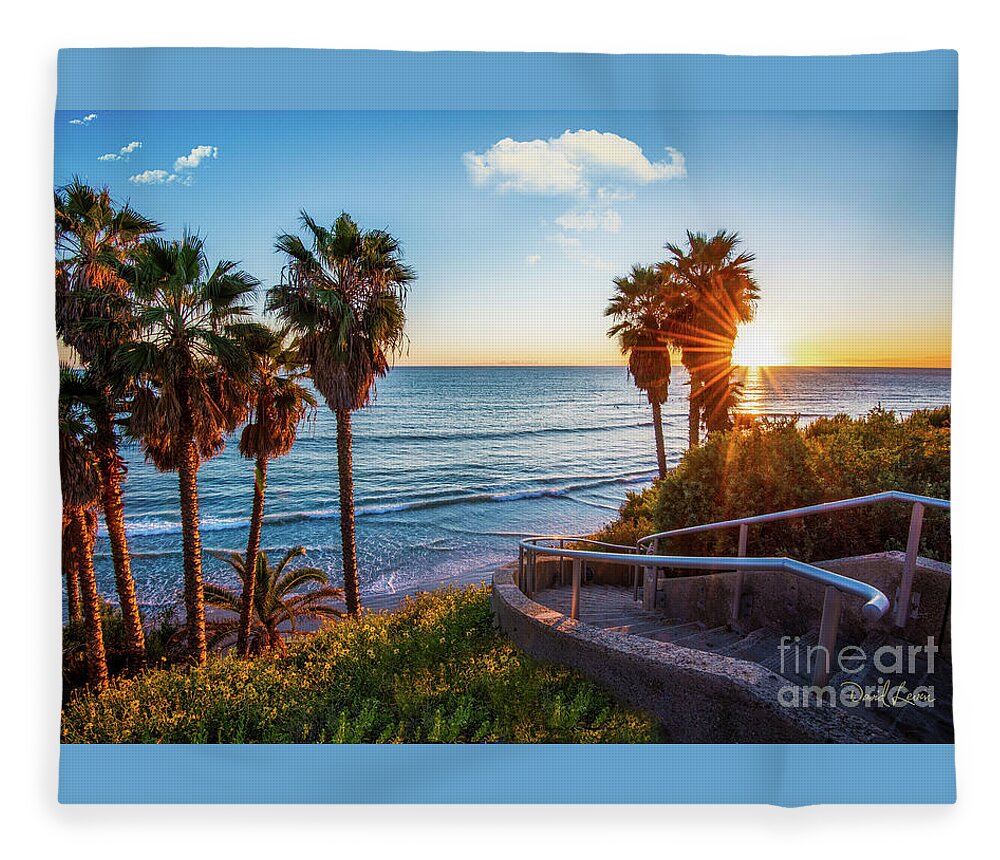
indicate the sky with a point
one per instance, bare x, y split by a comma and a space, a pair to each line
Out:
516, 222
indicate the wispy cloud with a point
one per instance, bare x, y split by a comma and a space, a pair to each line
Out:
608, 220
151, 177
180, 174
533, 259
87, 120
195, 157
577, 162
123, 153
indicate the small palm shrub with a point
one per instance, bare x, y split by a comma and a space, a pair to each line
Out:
279, 603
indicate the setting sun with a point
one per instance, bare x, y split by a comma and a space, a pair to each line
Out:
755, 347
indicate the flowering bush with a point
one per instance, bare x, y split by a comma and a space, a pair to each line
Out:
435, 670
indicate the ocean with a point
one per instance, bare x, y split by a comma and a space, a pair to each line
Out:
452, 465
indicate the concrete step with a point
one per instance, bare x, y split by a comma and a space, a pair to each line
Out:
673, 632
793, 662
717, 639
745, 644
646, 626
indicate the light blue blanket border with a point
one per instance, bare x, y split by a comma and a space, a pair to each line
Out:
290, 79
267, 79
781, 774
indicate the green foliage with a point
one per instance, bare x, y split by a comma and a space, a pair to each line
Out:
635, 519
161, 649
770, 465
433, 671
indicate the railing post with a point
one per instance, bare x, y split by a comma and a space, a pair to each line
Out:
649, 575
530, 579
828, 627
741, 551
562, 564
910, 564
520, 567
574, 608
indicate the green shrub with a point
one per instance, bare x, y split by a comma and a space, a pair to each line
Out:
634, 520
434, 670
769, 465
161, 629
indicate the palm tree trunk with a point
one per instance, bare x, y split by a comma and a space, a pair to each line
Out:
250, 564
194, 586
661, 454
84, 525
694, 415
345, 472
71, 571
114, 518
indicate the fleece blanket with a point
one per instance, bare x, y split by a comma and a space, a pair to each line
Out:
504, 428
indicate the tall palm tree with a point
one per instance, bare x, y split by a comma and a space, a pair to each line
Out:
190, 364
278, 403
277, 600
642, 314
71, 572
95, 237
343, 291
81, 489
720, 294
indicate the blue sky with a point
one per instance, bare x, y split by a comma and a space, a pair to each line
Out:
517, 221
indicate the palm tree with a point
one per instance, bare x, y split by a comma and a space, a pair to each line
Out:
95, 237
343, 293
642, 316
71, 572
278, 403
190, 364
720, 294
277, 600
81, 489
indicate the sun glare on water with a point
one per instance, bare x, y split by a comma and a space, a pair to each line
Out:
757, 348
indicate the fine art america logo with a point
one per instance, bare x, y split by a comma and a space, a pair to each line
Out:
890, 676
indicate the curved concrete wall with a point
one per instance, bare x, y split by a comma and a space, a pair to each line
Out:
698, 697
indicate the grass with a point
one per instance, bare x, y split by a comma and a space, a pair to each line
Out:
433, 671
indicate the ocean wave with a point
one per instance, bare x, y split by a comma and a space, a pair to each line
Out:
374, 438
546, 490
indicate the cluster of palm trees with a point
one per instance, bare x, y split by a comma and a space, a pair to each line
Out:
692, 303
168, 354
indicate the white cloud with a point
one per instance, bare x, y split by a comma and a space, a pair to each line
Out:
87, 120
122, 153
195, 157
533, 259
152, 177
612, 195
609, 220
175, 177
574, 163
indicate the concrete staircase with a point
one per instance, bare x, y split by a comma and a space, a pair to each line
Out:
614, 609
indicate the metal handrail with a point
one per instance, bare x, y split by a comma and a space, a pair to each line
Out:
810, 510
529, 584
919, 503
875, 606
582, 539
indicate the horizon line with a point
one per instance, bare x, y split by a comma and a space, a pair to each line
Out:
737, 366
